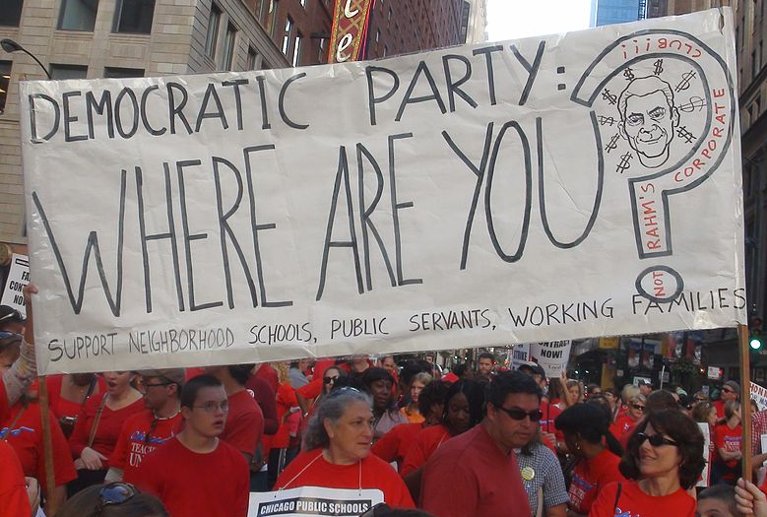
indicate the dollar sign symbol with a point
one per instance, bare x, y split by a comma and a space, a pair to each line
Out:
606, 121
658, 67
628, 74
684, 133
685, 82
624, 163
609, 97
613, 143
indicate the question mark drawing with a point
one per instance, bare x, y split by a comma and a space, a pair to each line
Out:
650, 123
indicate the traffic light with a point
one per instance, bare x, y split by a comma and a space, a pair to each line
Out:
755, 337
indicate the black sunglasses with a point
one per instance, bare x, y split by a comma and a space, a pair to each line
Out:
520, 414
656, 440
114, 494
328, 380
638, 406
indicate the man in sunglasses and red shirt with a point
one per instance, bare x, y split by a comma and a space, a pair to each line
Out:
476, 472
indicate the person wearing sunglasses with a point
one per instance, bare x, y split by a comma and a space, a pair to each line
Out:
730, 391
113, 500
11, 320
624, 425
728, 446
196, 473
145, 431
336, 451
663, 460
477, 473
595, 451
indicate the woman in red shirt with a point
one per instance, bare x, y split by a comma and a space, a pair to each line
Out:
98, 428
664, 459
596, 451
337, 451
728, 440
624, 425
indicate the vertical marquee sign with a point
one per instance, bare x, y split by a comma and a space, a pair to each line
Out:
350, 23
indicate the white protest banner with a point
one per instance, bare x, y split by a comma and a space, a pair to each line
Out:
544, 189
759, 394
552, 356
705, 476
313, 501
18, 277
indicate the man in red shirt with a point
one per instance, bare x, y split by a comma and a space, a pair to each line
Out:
476, 473
195, 473
13, 491
144, 432
245, 421
730, 391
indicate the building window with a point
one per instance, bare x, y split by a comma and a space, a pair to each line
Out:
78, 15
303, 3
253, 59
10, 14
114, 72
231, 37
754, 64
322, 54
378, 35
271, 24
62, 72
386, 51
134, 16
212, 36
287, 36
5, 82
297, 44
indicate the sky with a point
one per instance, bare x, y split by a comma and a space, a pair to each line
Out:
510, 19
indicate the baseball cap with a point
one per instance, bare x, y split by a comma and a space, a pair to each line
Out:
534, 368
734, 385
10, 315
174, 375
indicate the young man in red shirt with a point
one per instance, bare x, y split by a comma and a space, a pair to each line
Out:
195, 473
144, 432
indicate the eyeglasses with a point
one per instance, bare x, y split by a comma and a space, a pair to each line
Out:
519, 414
4, 334
114, 494
213, 406
328, 380
638, 406
656, 440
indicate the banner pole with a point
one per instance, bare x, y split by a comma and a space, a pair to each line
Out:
745, 399
50, 478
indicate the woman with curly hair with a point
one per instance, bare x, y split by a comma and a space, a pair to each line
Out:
663, 460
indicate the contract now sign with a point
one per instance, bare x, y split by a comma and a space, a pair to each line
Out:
350, 23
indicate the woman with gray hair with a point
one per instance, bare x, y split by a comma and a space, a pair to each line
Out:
336, 451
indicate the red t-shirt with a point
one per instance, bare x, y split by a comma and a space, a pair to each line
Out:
729, 440
635, 503
469, 475
590, 476
286, 399
191, 484
719, 406
192, 372
62, 407
371, 472
622, 428
268, 374
4, 408
13, 488
266, 399
393, 446
26, 438
108, 430
244, 423
424, 444
133, 444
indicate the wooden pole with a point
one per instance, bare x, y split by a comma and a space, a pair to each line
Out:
745, 399
50, 478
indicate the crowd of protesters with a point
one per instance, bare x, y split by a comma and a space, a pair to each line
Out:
475, 442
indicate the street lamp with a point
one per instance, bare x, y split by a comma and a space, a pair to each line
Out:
11, 46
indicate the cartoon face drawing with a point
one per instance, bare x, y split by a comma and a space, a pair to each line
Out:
648, 119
